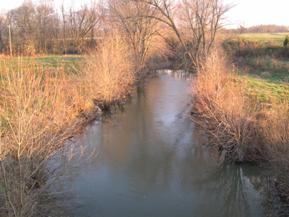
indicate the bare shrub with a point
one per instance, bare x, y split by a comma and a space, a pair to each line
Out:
220, 107
109, 71
276, 135
40, 109
239, 127
36, 114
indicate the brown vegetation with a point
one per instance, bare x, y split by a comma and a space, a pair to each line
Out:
108, 72
40, 109
276, 138
240, 47
134, 20
36, 115
221, 108
242, 130
194, 24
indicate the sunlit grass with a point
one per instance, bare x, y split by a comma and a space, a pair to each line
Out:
276, 37
70, 63
247, 117
266, 91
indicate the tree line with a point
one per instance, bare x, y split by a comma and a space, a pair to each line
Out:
190, 25
260, 29
41, 28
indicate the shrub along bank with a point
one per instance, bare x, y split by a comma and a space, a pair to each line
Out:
241, 125
41, 107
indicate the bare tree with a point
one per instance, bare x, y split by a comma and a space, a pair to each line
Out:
22, 22
79, 25
43, 29
135, 19
47, 27
194, 22
2, 31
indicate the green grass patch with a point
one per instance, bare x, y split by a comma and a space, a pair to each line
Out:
276, 37
70, 63
262, 64
266, 91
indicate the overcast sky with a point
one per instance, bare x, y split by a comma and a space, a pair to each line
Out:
245, 12
254, 12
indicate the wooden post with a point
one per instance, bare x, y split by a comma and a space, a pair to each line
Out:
10, 40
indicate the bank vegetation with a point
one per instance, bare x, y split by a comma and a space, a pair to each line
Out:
243, 126
120, 42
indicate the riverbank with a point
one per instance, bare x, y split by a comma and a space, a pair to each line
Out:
41, 106
245, 117
149, 156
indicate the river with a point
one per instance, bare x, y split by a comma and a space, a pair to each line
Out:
148, 160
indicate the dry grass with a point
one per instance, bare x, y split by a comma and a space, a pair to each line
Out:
109, 71
36, 114
40, 109
221, 107
275, 133
239, 127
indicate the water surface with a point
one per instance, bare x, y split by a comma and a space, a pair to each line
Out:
150, 163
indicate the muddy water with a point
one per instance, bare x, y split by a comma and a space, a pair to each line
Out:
149, 163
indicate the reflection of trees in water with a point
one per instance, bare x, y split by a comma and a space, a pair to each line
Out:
275, 207
150, 160
231, 186
132, 144
157, 161
228, 186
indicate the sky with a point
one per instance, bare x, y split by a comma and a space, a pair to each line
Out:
245, 12
254, 12
10, 4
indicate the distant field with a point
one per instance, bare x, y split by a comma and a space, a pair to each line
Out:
69, 62
263, 68
266, 37
269, 83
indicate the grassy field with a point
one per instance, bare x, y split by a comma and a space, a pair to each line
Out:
70, 63
276, 37
263, 64
266, 91
267, 85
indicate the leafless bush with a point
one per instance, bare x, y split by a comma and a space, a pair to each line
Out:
239, 128
220, 107
40, 109
109, 71
36, 116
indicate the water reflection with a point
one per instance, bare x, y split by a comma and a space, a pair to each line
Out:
150, 164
